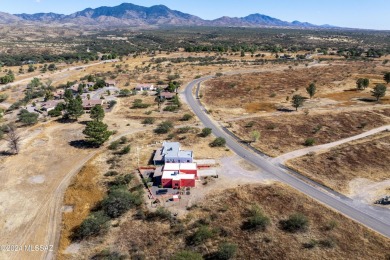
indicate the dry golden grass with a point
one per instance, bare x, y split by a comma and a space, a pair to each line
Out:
285, 133
366, 158
82, 195
257, 107
225, 212
264, 92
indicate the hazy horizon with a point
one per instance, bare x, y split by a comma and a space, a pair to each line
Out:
347, 13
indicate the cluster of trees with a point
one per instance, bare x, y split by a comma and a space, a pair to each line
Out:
28, 118
207, 59
362, 83
118, 201
21, 59
35, 89
8, 78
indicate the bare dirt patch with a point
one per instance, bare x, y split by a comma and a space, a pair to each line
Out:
339, 168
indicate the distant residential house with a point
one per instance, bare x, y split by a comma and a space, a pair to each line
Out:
88, 104
59, 94
110, 83
75, 88
144, 87
170, 152
167, 95
50, 105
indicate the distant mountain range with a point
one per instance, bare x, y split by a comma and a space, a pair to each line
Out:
132, 15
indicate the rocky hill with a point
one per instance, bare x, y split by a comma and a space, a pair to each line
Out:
128, 14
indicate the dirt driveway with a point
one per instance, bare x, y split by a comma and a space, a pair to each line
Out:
29, 183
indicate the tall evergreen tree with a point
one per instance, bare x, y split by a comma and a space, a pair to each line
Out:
97, 113
311, 90
97, 132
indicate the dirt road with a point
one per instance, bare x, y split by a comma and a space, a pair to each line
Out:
298, 153
33, 183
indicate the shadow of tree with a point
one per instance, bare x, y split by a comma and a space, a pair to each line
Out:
370, 100
82, 144
287, 110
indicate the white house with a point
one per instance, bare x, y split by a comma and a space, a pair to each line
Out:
145, 87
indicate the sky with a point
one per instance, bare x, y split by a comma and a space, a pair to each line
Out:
364, 14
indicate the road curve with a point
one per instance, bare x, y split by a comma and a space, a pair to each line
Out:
373, 217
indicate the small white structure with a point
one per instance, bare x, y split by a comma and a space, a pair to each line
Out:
145, 87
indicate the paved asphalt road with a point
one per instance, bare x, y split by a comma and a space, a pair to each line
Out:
376, 218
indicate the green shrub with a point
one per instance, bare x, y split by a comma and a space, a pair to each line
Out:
121, 180
330, 225
226, 251
327, 243
148, 121
111, 173
257, 220
123, 140
108, 255
310, 141
125, 150
201, 235
186, 117
187, 255
111, 103
124, 92
138, 104
3, 97
54, 113
311, 244
119, 201
93, 225
218, 142
164, 127
206, 132
160, 213
28, 118
171, 108
250, 124
296, 222
184, 130
114, 145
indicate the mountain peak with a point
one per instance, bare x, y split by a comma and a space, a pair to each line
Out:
128, 14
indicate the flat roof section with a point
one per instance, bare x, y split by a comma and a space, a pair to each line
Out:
207, 173
180, 166
185, 154
158, 156
158, 172
171, 149
176, 176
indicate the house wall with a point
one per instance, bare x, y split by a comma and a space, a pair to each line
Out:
166, 183
190, 172
176, 184
178, 159
187, 183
